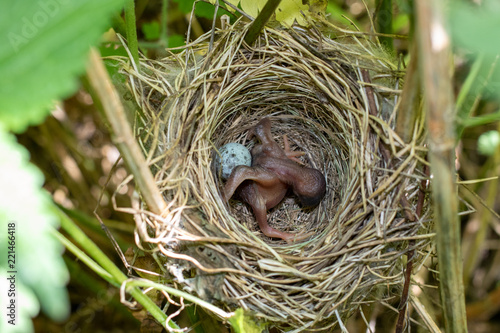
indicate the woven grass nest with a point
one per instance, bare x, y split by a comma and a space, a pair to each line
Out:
335, 99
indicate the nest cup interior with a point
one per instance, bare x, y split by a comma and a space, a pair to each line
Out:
304, 134
334, 98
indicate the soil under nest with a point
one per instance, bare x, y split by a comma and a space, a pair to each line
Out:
335, 99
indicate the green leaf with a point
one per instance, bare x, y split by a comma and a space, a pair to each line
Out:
291, 10
242, 323
252, 8
202, 9
185, 6
287, 12
44, 49
27, 209
337, 14
475, 27
316, 6
151, 30
206, 10
176, 41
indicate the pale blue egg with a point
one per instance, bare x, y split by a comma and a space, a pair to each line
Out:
231, 155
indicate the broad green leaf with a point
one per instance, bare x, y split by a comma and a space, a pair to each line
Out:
206, 10
337, 14
287, 12
185, 6
476, 27
44, 49
252, 8
243, 323
26, 207
202, 9
176, 40
151, 30
291, 10
317, 6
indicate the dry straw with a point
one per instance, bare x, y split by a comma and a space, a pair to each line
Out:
335, 98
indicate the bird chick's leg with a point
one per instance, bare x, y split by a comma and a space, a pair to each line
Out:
258, 204
292, 154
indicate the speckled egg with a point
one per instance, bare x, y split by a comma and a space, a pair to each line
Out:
231, 155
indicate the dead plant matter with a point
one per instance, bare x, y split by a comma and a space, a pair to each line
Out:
335, 99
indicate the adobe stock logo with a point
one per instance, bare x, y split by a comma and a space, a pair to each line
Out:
32, 24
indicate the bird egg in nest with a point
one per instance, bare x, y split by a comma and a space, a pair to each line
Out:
231, 155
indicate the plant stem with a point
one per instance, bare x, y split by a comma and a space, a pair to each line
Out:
123, 136
164, 23
467, 90
116, 275
384, 23
435, 63
471, 93
95, 286
118, 24
131, 29
261, 20
150, 284
481, 120
411, 101
84, 258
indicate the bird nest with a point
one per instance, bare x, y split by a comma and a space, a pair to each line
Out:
335, 97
